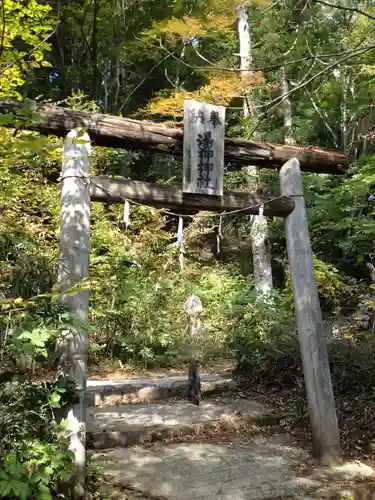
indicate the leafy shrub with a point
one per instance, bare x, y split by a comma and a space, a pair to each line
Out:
146, 319
270, 353
341, 217
33, 456
333, 289
262, 331
353, 365
34, 470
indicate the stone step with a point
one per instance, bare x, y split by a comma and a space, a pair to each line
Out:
127, 425
261, 468
148, 390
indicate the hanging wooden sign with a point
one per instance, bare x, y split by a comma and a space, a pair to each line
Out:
203, 159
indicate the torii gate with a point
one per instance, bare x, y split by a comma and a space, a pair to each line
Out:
79, 188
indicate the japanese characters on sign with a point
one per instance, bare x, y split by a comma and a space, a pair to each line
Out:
205, 155
204, 131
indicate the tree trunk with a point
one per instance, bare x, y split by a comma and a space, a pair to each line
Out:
259, 232
95, 86
344, 108
287, 107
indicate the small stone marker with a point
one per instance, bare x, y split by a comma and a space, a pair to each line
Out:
193, 305
204, 132
193, 308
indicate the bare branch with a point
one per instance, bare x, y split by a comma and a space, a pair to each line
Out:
312, 55
342, 7
293, 44
212, 64
271, 105
271, 67
143, 81
324, 70
3, 28
324, 119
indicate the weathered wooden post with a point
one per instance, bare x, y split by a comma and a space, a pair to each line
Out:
325, 431
74, 266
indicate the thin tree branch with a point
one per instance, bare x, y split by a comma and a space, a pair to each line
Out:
274, 103
312, 55
3, 28
323, 118
262, 68
142, 81
293, 44
212, 64
178, 87
268, 9
342, 7
19, 59
324, 70
303, 79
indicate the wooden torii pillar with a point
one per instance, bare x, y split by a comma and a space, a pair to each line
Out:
317, 375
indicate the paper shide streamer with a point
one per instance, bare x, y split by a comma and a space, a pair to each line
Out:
180, 240
180, 230
219, 234
126, 220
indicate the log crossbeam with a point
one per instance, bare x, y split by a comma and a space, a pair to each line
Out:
115, 132
107, 190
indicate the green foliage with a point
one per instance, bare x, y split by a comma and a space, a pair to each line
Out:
33, 456
333, 289
25, 30
341, 217
277, 361
262, 329
29, 473
140, 314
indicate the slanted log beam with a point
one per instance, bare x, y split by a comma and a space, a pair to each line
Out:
109, 190
116, 132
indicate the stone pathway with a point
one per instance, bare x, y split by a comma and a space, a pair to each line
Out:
126, 425
259, 469
249, 467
